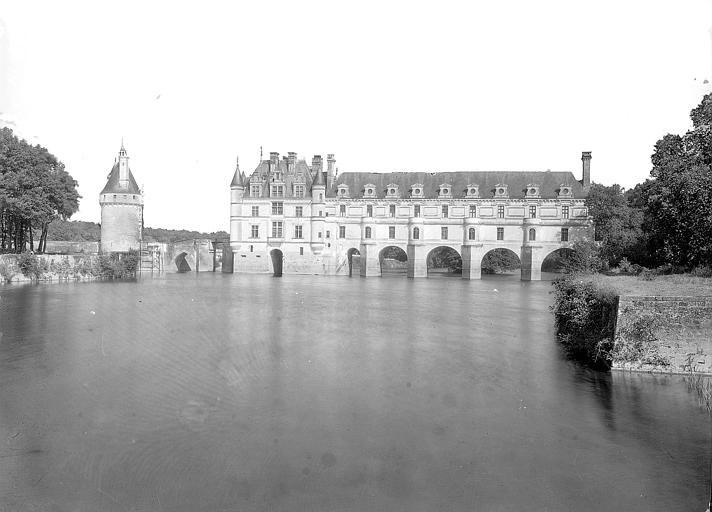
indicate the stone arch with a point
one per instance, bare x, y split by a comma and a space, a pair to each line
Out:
277, 262
181, 263
393, 260
350, 255
501, 261
444, 260
558, 260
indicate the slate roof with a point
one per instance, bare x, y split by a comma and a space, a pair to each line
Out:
301, 174
516, 182
112, 183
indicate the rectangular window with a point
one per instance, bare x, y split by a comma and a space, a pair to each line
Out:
444, 211
342, 210
255, 211
319, 234
298, 211
416, 210
297, 232
392, 210
254, 191
277, 229
564, 234
278, 208
391, 232
252, 248
500, 212
277, 191
301, 251
342, 231
328, 234
500, 233
369, 210
255, 233
565, 212
532, 212
473, 210
443, 233
298, 190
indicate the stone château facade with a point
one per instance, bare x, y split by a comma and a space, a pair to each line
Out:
291, 217
121, 203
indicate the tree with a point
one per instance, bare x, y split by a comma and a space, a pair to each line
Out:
617, 222
35, 189
678, 200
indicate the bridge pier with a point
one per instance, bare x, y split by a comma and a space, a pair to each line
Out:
472, 255
417, 260
370, 264
532, 258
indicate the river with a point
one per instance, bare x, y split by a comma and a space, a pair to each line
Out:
220, 392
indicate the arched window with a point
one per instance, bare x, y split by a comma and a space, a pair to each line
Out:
416, 233
532, 234
368, 232
471, 234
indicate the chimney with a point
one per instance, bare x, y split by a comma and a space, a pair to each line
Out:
273, 160
330, 171
586, 179
316, 164
291, 161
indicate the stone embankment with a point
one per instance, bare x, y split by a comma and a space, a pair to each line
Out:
663, 334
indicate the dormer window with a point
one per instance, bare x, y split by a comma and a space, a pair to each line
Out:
532, 191
500, 191
445, 191
564, 191
392, 191
416, 190
369, 190
472, 191
343, 191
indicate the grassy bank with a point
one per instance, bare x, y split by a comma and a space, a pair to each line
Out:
675, 285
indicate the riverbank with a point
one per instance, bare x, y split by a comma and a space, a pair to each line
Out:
660, 325
27, 267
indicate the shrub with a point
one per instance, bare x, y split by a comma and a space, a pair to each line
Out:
702, 271
585, 320
634, 341
7, 271
585, 259
31, 266
648, 275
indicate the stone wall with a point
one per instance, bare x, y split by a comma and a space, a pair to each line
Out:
59, 267
664, 334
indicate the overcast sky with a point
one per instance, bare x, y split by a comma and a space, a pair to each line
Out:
385, 86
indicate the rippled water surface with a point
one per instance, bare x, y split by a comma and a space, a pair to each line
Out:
240, 393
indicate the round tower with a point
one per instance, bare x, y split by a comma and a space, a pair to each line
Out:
121, 203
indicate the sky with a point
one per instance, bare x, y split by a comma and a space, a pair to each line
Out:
385, 86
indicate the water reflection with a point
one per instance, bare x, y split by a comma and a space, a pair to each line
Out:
309, 393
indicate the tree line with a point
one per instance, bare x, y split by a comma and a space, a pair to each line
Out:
35, 190
666, 220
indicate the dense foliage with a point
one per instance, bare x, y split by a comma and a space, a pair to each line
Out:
498, 261
34, 190
585, 320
